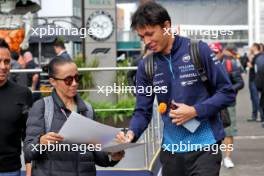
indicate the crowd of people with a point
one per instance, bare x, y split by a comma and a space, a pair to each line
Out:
200, 85
255, 64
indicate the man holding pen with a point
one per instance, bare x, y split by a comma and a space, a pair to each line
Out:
173, 68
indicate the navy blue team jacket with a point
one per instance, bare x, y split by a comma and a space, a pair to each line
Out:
175, 78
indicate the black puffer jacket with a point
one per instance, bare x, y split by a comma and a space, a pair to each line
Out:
58, 163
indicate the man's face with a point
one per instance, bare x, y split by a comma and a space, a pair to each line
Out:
5, 64
219, 55
251, 50
154, 37
57, 50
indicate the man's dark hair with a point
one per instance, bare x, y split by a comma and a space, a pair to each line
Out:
57, 61
14, 56
149, 13
261, 47
3, 44
257, 46
59, 43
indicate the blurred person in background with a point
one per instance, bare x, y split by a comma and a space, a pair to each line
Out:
14, 65
260, 86
14, 61
244, 60
19, 78
232, 67
261, 47
259, 77
15, 102
255, 52
60, 50
33, 79
21, 60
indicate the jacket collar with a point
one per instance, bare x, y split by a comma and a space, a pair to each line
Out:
175, 46
81, 107
177, 43
62, 52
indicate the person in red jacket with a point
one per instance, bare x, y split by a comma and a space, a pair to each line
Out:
234, 74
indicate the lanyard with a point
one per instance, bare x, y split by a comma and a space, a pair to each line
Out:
170, 64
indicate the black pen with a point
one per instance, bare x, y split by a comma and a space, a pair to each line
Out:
125, 130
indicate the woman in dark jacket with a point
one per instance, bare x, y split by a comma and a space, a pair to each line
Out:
64, 78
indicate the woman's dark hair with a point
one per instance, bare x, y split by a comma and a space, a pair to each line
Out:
3, 44
57, 61
149, 13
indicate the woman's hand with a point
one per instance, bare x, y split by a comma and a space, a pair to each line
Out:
117, 156
50, 138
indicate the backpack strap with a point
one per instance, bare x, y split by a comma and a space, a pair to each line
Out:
195, 55
197, 62
90, 111
149, 66
48, 113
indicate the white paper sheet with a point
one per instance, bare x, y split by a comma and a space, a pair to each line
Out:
117, 147
79, 129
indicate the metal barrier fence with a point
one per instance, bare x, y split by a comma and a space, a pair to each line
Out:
152, 135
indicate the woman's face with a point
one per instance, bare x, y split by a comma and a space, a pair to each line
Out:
65, 81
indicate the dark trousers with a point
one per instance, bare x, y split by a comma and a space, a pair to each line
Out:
254, 96
197, 163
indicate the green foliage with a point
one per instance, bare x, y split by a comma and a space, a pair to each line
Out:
117, 116
122, 74
86, 81
124, 101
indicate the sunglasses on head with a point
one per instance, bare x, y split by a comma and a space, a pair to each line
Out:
69, 79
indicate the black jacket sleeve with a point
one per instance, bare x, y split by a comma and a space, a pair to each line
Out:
35, 129
102, 159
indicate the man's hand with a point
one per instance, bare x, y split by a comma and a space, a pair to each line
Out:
125, 138
182, 114
117, 156
28, 169
50, 138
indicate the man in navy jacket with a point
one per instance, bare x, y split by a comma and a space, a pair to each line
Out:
174, 69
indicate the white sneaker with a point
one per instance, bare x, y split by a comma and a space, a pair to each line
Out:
228, 163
